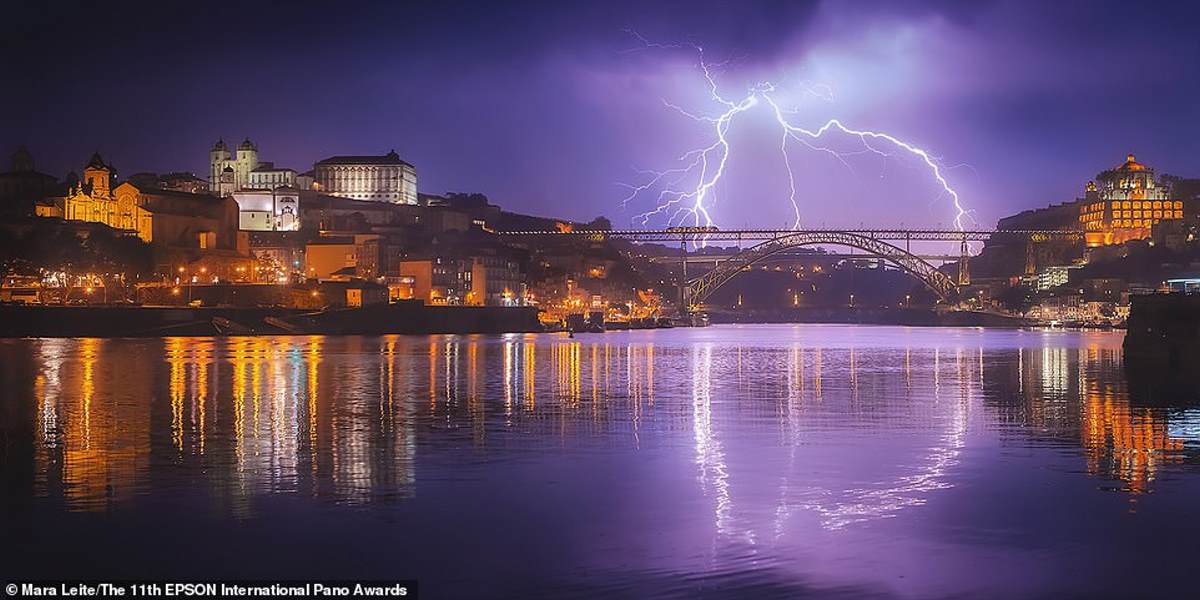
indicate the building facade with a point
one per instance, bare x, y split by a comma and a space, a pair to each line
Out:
241, 163
277, 209
22, 185
1125, 204
482, 279
266, 176
164, 217
376, 178
93, 200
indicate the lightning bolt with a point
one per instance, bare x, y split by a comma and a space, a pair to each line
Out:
684, 194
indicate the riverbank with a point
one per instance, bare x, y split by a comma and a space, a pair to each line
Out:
915, 317
154, 321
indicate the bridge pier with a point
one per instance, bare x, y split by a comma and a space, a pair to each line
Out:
964, 266
684, 309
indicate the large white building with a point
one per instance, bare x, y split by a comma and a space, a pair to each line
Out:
266, 195
268, 177
380, 178
268, 210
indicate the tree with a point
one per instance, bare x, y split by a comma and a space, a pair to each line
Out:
600, 223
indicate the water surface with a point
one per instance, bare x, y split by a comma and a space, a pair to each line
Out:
780, 461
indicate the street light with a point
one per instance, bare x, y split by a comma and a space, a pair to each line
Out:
851, 300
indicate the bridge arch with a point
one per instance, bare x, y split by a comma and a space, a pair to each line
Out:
702, 287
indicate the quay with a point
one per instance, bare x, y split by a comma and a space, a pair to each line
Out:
159, 321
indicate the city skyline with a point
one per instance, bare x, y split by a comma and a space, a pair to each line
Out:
548, 111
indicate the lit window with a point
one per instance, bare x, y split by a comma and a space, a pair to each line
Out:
1137, 204
1178, 213
1157, 213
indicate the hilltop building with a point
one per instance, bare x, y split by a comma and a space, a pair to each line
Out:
377, 178
248, 173
1125, 205
266, 176
240, 165
22, 184
165, 217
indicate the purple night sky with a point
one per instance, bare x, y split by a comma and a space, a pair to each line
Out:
547, 107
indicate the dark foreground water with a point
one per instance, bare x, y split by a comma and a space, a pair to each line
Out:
732, 461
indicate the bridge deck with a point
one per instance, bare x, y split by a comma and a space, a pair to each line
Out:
713, 235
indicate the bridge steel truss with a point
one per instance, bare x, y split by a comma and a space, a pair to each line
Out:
702, 287
703, 234
873, 241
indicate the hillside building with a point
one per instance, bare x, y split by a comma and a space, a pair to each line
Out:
1125, 205
376, 178
22, 184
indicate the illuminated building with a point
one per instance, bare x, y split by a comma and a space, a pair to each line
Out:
342, 257
182, 220
165, 217
1125, 205
378, 178
277, 209
268, 177
1054, 276
93, 200
241, 164
482, 280
230, 172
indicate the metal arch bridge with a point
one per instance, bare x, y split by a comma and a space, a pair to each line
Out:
712, 234
875, 242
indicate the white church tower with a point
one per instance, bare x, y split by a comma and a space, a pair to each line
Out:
245, 161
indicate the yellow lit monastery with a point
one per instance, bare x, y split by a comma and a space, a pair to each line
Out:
1125, 205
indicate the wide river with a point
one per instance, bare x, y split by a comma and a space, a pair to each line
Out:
730, 461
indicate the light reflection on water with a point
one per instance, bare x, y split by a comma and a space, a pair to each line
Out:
828, 455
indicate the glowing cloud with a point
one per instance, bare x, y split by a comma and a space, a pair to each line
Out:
683, 195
